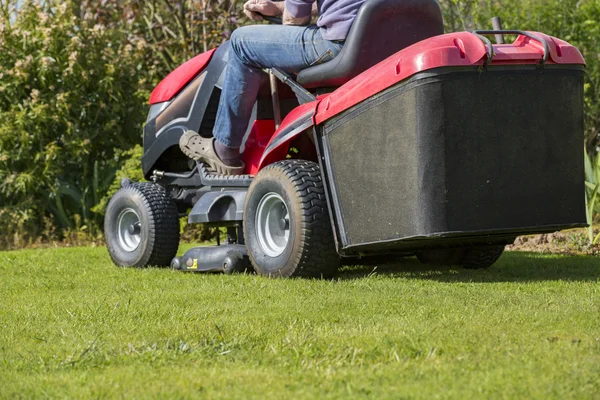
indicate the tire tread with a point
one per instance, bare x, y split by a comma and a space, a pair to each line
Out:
481, 257
163, 223
318, 256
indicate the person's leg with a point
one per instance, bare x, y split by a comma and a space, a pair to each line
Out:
289, 48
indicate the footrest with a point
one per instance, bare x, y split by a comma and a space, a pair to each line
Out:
210, 178
219, 206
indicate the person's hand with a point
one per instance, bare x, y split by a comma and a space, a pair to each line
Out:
264, 7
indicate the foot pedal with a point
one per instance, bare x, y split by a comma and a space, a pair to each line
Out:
210, 178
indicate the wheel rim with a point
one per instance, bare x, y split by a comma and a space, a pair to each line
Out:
129, 229
273, 225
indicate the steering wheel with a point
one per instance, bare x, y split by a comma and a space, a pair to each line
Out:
271, 20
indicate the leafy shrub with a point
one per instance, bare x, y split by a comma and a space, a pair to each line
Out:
75, 77
71, 97
177, 31
19, 227
131, 169
592, 189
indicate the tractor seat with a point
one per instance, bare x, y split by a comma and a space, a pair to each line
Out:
381, 28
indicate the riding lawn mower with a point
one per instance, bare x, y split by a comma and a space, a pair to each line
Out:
409, 142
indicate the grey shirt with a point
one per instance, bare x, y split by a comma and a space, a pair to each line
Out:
335, 16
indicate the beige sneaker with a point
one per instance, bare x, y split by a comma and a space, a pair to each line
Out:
202, 149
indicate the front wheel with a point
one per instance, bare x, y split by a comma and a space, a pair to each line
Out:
286, 222
141, 226
467, 257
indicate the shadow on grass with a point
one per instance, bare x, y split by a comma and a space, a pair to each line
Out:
512, 267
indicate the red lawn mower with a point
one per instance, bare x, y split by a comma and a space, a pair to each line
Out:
409, 142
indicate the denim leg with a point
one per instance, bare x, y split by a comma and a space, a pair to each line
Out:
290, 48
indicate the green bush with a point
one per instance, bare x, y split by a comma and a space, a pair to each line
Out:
75, 77
71, 97
131, 169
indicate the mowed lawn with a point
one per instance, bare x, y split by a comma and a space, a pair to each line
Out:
73, 325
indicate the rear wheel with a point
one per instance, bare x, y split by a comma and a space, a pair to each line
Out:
141, 226
468, 257
286, 222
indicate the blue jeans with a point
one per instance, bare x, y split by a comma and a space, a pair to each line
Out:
289, 48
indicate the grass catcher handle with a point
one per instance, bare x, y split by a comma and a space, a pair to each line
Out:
497, 26
489, 46
527, 34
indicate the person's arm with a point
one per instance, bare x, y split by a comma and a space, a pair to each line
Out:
264, 7
298, 12
271, 8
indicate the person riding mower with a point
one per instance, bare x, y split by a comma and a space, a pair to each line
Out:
394, 140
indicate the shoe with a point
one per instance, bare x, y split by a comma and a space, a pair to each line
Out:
203, 149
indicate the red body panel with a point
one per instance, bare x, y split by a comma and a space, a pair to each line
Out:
278, 145
451, 50
260, 135
525, 49
180, 77
462, 49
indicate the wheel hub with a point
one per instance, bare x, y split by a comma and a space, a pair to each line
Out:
273, 225
134, 229
129, 229
284, 224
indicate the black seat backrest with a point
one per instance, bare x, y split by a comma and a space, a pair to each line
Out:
381, 28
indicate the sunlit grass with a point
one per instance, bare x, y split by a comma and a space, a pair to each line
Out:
72, 325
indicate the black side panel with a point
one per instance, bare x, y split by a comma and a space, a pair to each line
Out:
195, 108
459, 154
168, 135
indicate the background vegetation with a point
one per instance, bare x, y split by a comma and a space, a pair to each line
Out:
75, 77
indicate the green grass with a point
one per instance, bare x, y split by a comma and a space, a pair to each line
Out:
72, 325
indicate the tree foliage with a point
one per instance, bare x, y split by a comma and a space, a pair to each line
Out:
75, 77
179, 30
71, 98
